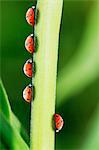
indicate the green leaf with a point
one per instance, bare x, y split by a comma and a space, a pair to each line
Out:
6, 110
16, 124
4, 103
10, 135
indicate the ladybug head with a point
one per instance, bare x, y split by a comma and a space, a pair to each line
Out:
30, 85
29, 61
31, 35
33, 7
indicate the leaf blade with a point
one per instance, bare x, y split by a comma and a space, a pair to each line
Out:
10, 135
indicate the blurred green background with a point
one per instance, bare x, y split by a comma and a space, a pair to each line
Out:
79, 107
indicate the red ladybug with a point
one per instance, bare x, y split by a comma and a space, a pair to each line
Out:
28, 68
27, 93
30, 16
58, 122
29, 44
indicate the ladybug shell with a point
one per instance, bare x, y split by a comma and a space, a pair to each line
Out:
58, 122
28, 68
27, 93
30, 16
29, 44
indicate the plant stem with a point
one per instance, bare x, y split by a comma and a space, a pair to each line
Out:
43, 105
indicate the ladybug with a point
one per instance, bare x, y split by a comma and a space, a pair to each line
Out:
27, 93
29, 44
28, 68
58, 122
30, 16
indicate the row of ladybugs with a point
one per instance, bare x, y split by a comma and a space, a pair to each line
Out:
30, 47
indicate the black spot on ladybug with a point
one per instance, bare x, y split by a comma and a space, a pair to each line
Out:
56, 116
29, 47
29, 68
29, 92
28, 99
58, 123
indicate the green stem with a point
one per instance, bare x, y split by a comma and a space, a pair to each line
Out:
43, 105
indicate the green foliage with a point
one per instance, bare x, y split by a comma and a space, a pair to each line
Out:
84, 65
4, 103
77, 98
92, 135
11, 129
10, 135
